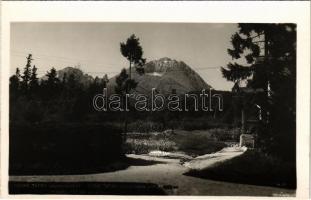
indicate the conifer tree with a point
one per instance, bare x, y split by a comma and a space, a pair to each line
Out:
27, 74
15, 82
133, 52
270, 53
33, 82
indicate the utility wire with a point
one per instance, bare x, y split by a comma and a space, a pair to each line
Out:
60, 58
105, 72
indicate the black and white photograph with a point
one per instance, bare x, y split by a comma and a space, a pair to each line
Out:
152, 108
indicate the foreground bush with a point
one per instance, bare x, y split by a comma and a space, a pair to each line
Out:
144, 146
63, 148
252, 167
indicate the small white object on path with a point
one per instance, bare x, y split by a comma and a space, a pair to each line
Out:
169, 155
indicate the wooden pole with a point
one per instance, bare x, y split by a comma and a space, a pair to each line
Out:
243, 121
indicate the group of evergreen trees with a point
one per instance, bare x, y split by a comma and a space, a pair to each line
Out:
26, 82
50, 98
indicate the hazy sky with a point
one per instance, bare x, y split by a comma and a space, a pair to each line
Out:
95, 47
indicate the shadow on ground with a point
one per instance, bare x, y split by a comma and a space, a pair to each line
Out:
76, 168
253, 168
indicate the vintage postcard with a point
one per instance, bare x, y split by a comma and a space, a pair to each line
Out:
100, 101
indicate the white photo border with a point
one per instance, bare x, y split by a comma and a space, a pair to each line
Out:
174, 11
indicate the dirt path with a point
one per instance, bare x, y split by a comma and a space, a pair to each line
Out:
167, 171
205, 161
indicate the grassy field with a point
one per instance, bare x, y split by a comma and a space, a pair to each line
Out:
194, 143
189, 124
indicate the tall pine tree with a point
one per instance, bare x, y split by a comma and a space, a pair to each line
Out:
15, 81
270, 52
33, 82
27, 74
133, 52
51, 86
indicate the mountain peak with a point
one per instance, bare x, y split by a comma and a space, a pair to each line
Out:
166, 74
161, 65
165, 59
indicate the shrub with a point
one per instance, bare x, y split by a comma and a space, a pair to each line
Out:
143, 146
145, 126
62, 148
199, 145
223, 134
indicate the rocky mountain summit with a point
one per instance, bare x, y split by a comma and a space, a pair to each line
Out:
166, 75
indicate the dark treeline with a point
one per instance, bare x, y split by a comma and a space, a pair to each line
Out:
50, 98
64, 97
